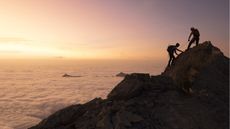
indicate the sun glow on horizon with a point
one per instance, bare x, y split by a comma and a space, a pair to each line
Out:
106, 29
17, 50
30, 50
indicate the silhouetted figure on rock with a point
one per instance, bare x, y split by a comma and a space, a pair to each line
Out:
196, 37
171, 50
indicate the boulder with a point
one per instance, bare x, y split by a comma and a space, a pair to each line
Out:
130, 87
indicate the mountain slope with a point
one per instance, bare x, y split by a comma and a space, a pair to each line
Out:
142, 101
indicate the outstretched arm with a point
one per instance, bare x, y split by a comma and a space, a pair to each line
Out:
176, 53
179, 50
189, 36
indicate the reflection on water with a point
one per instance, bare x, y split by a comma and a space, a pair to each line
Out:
31, 90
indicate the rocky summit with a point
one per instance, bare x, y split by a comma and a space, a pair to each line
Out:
193, 93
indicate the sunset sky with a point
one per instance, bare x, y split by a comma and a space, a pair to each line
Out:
107, 29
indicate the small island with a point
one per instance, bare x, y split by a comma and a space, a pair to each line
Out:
67, 75
121, 74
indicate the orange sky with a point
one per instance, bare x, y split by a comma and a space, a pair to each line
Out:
91, 29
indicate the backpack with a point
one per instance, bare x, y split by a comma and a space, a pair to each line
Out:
170, 48
196, 33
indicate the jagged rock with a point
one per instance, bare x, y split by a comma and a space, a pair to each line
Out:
66, 116
116, 117
206, 70
105, 122
156, 102
130, 87
190, 63
125, 118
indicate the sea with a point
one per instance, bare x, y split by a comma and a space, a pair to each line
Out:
31, 90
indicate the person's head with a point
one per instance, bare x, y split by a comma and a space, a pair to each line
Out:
177, 44
192, 28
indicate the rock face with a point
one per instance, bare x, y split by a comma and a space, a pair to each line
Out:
142, 101
132, 86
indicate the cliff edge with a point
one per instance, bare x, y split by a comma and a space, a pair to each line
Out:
141, 101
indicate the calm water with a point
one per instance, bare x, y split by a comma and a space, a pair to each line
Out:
31, 90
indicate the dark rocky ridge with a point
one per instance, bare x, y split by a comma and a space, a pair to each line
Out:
142, 101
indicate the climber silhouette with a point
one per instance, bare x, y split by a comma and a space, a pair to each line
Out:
171, 50
196, 37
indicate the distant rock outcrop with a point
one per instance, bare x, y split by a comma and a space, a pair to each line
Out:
67, 75
121, 74
142, 101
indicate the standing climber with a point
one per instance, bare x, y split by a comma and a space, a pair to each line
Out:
196, 37
171, 50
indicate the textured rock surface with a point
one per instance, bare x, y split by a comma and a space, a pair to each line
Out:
142, 101
132, 86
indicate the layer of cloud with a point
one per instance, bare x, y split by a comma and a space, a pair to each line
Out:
12, 39
10, 51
